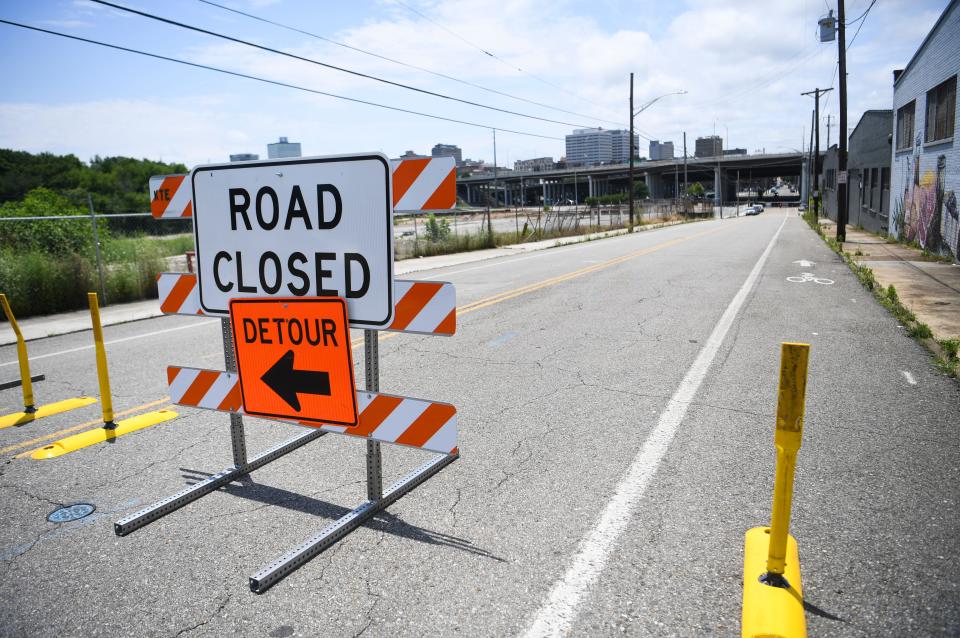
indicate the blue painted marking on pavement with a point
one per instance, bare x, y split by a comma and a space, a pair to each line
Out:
502, 339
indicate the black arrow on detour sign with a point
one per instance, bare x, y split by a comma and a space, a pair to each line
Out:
287, 382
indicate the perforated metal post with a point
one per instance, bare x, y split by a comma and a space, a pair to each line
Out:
237, 439
371, 376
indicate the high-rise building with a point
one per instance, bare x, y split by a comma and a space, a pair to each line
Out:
244, 157
412, 155
620, 146
535, 164
283, 148
447, 150
590, 146
709, 146
660, 151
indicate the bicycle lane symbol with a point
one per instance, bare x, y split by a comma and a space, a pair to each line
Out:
809, 276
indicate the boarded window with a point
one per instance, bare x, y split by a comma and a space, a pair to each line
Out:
941, 111
884, 185
905, 126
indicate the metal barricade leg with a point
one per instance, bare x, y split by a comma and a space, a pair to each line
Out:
371, 374
237, 438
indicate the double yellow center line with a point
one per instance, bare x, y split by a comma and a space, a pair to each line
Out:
553, 281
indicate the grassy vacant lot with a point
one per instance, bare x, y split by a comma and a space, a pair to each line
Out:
39, 282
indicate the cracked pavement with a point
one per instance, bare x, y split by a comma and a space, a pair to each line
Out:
556, 391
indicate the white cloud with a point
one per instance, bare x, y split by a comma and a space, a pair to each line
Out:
743, 64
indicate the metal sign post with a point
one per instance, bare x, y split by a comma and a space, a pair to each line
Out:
238, 439
371, 379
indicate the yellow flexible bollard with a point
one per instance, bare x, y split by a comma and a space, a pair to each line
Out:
772, 591
111, 430
106, 400
25, 381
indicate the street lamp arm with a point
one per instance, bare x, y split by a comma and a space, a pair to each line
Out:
651, 102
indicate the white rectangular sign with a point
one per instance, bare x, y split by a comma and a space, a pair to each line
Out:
841, 177
292, 228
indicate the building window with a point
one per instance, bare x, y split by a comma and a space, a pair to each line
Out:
941, 111
831, 179
905, 126
884, 185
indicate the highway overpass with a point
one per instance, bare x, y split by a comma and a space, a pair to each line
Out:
665, 178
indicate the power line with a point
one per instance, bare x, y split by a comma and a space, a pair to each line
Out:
862, 15
274, 82
334, 67
863, 19
493, 55
402, 63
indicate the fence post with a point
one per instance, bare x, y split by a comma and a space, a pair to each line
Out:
96, 244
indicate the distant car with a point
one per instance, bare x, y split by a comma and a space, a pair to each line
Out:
753, 209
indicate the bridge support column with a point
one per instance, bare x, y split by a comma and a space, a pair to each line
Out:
718, 179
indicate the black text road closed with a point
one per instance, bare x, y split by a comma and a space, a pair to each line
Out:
304, 227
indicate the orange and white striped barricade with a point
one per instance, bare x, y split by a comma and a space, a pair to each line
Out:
420, 307
420, 184
170, 197
424, 184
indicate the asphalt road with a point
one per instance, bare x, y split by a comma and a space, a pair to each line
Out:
616, 432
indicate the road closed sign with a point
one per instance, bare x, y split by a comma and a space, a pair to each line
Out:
294, 359
303, 227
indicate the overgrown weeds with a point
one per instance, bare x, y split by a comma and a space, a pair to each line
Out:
39, 282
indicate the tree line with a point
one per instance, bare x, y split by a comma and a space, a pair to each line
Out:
113, 184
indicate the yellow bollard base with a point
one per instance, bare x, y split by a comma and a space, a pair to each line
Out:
21, 418
101, 435
768, 611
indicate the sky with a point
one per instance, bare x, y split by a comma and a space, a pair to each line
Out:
742, 63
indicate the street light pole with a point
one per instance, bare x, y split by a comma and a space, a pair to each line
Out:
633, 115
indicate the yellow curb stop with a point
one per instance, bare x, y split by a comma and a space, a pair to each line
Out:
20, 418
101, 435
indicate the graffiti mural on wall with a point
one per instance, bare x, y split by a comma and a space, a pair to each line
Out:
925, 212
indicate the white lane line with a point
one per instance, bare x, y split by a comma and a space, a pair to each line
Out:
908, 377
556, 616
107, 343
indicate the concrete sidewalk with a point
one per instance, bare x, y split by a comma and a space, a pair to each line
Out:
67, 322
927, 286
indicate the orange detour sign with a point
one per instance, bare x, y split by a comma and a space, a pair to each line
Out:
294, 358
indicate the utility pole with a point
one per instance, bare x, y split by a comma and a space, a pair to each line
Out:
842, 151
685, 186
630, 194
810, 166
828, 131
816, 93
489, 222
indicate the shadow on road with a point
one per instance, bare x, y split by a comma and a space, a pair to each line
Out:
385, 521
